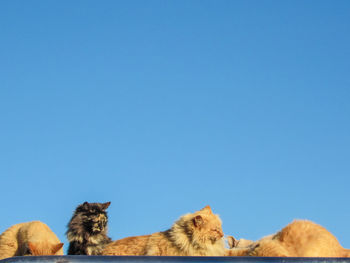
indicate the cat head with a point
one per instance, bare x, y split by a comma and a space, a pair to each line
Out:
231, 241
202, 227
207, 226
93, 216
43, 249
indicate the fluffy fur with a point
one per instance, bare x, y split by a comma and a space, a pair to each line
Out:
29, 239
196, 234
301, 238
87, 229
232, 242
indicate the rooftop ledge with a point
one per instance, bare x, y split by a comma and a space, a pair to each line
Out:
166, 259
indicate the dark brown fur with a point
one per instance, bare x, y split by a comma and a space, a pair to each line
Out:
87, 230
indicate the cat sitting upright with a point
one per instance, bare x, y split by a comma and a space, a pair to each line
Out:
196, 234
301, 238
29, 239
87, 229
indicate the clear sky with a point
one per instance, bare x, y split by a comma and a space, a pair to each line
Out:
163, 107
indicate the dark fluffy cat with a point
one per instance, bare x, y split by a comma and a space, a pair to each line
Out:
87, 229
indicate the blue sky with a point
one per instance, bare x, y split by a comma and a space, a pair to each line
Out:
163, 107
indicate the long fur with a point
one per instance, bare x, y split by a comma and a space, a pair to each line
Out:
196, 234
87, 229
301, 238
31, 238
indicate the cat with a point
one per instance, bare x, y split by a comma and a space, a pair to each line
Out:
29, 239
232, 242
87, 229
196, 234
301, 238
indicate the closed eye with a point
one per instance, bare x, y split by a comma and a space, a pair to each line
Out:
217, 231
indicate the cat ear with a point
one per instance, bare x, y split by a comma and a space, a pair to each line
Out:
56, 247
231, 241
85, 205
207, 209
198, 221
105, 205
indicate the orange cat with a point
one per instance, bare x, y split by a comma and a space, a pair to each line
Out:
240, 243
301, 238
31, 238
197, 234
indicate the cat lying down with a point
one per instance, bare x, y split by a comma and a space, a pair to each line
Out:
196, 234
301, 238
240, 243
29, 239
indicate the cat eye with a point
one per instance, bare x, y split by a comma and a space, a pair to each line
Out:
216, 230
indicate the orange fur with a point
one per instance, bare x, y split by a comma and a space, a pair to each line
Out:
31, 238
301, 238
232, 242
128, 246
197, 234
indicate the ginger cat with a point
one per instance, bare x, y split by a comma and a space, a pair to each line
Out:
301, 238
240, 243
29, 239
196, 234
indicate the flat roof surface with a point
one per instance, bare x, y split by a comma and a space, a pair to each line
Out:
165, 259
